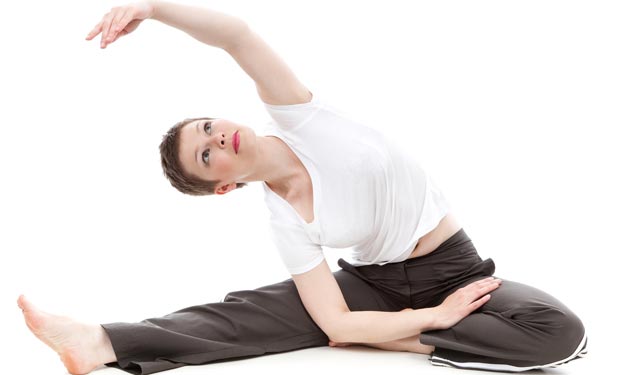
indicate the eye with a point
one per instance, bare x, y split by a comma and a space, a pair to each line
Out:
205, 155
207, 127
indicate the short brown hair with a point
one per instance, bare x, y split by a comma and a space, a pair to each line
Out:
172, 167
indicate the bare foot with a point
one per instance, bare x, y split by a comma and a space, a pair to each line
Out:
82, 347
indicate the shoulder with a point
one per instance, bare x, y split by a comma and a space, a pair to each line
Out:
289, 116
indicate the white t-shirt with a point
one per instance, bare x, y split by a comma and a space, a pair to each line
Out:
368, 195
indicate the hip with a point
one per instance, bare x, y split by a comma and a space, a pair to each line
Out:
445, 229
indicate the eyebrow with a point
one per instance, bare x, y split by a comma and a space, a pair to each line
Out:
197, 130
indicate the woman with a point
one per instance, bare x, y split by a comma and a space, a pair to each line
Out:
416, 284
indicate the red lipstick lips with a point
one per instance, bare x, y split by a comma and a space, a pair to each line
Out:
235, 142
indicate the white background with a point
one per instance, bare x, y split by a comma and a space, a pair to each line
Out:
515, 108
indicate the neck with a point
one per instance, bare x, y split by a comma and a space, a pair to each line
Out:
276, 164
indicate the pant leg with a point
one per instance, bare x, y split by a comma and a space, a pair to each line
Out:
520, 328
247, 323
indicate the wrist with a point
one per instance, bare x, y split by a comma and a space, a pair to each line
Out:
431, 319
151, 7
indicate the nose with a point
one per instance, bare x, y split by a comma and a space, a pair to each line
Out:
219, 139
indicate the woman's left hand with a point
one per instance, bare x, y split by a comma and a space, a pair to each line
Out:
463, 302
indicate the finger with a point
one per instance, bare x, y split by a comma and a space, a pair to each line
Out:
487, 288
119, 35
480, 287
474, 288
478, 283
106, 26
117, 25
486, 282
96, 30
483, 281
494, 283
479, 303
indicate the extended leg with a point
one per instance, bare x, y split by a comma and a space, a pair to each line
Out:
247, 323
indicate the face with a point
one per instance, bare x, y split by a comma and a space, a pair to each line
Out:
207, 150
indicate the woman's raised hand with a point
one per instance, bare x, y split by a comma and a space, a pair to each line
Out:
121, 21
463, 302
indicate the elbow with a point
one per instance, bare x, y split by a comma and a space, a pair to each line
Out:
239, 36
337, 336
338, 330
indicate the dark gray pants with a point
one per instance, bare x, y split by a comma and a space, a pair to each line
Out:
520, 327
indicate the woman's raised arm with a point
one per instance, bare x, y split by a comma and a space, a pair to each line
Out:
275, 82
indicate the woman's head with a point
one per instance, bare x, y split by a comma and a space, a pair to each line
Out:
198, 155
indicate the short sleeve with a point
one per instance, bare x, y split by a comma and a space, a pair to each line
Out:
291, 115
297, 251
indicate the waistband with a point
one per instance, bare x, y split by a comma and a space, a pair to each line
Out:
460, 238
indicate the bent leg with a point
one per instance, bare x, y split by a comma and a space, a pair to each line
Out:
520, 328
270, 319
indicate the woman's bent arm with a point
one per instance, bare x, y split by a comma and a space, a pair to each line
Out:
325, 303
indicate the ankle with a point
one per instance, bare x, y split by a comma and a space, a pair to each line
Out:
103, 348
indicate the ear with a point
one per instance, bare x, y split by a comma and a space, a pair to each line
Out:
223, 189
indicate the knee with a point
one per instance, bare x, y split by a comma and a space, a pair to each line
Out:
564, 337
572, 334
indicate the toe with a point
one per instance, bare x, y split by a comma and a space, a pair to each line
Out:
25, 304
20, 301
